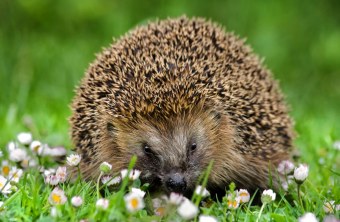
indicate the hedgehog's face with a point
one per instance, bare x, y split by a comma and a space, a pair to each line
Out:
171, 153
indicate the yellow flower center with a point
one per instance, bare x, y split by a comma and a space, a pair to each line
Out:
1, 185
36, 148
134, 203
24, 163
5, 170
232, 203
56, 198
243, 194
329, 207
160, 211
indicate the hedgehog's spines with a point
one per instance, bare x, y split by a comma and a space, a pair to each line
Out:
170, 68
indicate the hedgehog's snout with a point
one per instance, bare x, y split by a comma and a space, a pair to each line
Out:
176, 182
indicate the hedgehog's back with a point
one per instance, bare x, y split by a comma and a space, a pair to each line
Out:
168, 66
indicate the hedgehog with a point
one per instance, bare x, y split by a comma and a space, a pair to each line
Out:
178, 94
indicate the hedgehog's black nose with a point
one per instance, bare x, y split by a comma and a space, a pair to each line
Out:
176, 183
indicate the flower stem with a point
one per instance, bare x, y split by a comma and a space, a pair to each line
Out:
259, 216
98, 181
79, 174
299, 196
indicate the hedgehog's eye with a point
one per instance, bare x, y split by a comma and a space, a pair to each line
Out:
193, 147
147, 150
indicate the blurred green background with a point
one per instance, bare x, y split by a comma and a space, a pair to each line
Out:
45, 47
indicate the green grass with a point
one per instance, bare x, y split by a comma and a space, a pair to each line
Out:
45, 47
30, 200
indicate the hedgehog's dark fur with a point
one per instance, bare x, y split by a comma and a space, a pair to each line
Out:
175, 83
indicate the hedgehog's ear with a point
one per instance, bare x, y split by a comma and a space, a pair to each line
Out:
213, 113
114, 125
216, 116
111, 128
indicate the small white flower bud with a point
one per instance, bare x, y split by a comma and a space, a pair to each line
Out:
105, 167
24, 138
268, 196
301, 173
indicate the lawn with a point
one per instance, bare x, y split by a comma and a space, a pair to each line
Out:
46, 46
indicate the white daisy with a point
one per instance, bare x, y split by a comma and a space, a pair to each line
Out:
133, 175
301, 173
15, 174
24, 138
244, 195
77, 201
105, 167
308, 217
102, 204
61, 174
285, 167
233, 201
5, 168
18, 155
134, 202
109, 180
187, 210
201, 191
56, 151
138, 192
329, 206
268, 196
5, 186
175, 198
57, 197
36, 146
205, 218
73, 159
